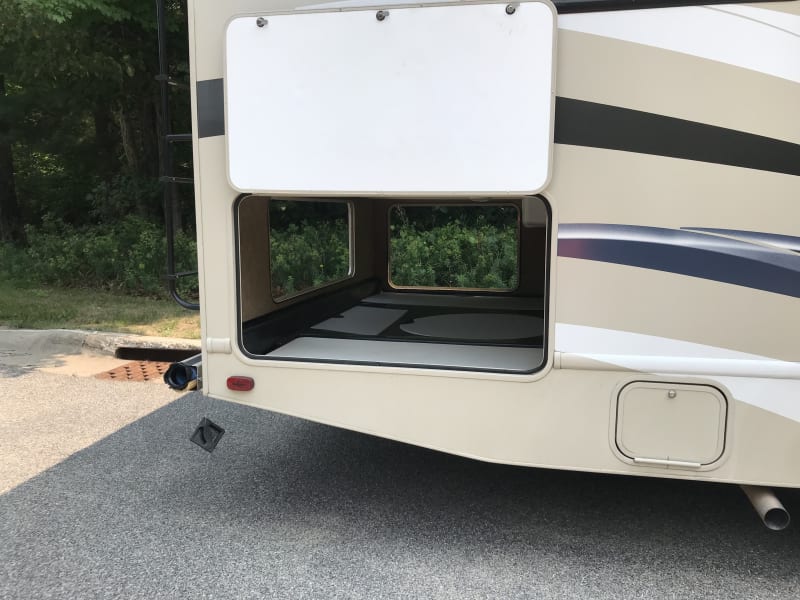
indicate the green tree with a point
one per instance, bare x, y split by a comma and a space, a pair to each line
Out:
11, 229
80, 119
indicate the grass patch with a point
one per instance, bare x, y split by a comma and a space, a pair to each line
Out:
32, 306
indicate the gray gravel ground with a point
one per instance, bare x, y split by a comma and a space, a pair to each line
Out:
44, 418
290, 509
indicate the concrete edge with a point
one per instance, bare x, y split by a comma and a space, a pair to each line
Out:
109, 343
95, 342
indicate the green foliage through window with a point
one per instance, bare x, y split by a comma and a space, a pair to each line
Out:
309, 245
454, 246
466, 247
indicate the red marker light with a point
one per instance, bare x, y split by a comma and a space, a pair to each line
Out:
237, 383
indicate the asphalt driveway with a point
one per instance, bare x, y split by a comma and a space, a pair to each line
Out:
290, 509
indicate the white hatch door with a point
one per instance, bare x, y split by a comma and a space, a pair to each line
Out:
671, 424
430, 100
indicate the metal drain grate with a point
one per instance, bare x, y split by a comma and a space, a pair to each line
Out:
139, 370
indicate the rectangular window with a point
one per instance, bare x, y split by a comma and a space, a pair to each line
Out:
309, 245
474, 247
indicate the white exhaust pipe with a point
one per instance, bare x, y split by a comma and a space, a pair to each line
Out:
769, 508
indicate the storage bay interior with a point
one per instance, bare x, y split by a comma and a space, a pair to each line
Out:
424, 283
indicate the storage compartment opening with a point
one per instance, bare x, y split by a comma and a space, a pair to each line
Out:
422, 283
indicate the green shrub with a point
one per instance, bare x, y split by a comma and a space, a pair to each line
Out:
469, 251
454, 247
308, 254
14, 262
129, 256
453, 255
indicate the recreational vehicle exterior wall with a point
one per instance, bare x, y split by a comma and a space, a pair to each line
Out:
650, 161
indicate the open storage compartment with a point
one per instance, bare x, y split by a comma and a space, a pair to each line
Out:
436, 284
392, 159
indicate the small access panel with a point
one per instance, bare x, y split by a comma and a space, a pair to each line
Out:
447, 100
671, 424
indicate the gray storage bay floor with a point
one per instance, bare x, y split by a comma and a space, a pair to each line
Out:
290, 509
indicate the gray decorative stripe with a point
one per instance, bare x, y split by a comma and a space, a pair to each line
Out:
684, 252
210, 108
787, 242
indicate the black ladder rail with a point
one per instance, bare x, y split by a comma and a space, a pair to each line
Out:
167, 178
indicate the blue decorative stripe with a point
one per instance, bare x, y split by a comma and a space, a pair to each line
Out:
685, 252
771, 239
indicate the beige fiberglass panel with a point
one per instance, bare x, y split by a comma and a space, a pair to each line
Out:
788, 7
562, 421
671, 422
642, 189
762, 41
680, 307
636, 76
392, 119
216, 248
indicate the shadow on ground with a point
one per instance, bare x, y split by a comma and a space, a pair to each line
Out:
23, 351
290, 509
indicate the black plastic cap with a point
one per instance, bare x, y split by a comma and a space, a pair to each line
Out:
207, 435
